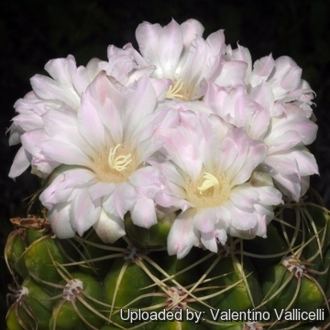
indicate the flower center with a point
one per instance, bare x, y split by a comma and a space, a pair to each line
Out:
115, 165
209, 190
176, 91
120, 162
209, 181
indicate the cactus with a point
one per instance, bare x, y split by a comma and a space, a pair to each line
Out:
82, 283
175, 191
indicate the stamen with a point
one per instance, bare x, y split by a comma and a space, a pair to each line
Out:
174, 91
210, 181
118, 163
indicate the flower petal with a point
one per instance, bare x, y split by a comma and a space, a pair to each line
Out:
109, 227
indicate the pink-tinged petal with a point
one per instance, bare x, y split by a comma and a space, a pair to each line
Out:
277, 110
59, 218
15, 134
160, 86
205, 219
84, 212
249, 154
255, 156
287, 76
285, 165
243, 54
182, 236
244, 222
109, 227
266, 215
28, 121
65, 153
91, 127
174, 193
259, 228
209, 241
184, 149
111, 119
147, 178
43, 167
269, 195
304, 184
46, 88
195, 58
232, 74
98, 120
20, 164
259, 125
281, 143
101, 189
224, 214
304, 128
140, 102
82, 77
145, 150
75, 177
121, 200
60, 69
221, 234
145, 139
170, 48
32, 139
289, 184
147, 36
144, 212
263, 95
92, 68
300, 158
215, 43
104, 89
190, 29
64, 184
262, 69
120, 62
244, 196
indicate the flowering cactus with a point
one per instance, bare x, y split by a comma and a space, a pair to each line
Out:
185, 147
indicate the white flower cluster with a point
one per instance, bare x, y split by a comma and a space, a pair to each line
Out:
187, 125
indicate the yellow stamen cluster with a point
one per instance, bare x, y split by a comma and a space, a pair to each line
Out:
114, 165
120, 162
209, 181
176, 91
209, 190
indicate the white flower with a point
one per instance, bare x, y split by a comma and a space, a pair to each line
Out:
179, 53
108, 145
62, 90
282, 76
126, 65
208, 179
187, 125
285, 134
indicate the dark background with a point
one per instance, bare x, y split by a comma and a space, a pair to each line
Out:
34, 31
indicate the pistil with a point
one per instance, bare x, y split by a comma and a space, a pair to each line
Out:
209, 181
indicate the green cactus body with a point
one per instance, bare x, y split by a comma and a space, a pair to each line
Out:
31, 308
124, 286
77, 304
287, 270
290, 290
41, 258
14, 249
